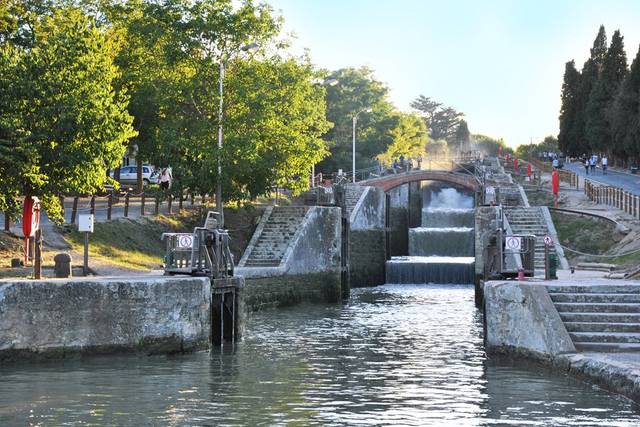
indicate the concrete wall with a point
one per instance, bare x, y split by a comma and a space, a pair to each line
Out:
55, 318
415, 204
485, 225
311, 268
521, 319
367, 240
399, 221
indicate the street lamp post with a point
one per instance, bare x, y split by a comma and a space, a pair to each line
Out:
353, 146
251, 47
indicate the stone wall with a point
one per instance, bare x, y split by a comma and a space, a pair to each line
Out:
399, 221
521, 319
367, 240
53, 319
485, 226
311, 267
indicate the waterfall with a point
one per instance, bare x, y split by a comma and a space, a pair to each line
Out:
442, 249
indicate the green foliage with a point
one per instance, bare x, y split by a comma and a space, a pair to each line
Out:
442, 122
488, 145
357, 90
463, 136
613, 70
409, 139
568, 138
625, 113
528, 151
63, 125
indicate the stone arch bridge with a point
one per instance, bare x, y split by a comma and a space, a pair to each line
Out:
389, 182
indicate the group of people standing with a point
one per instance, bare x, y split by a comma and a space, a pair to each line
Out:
591, 162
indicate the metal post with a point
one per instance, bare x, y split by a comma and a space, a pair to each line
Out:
219, 205
353, 149
547, 276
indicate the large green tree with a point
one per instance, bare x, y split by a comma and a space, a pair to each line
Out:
612, 73
568, 138
357, 90
63, 125
409, 138
442, 121
625, 114
462, 137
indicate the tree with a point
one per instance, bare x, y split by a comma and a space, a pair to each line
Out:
488, 145
568, 138
613, 70
409, 139
528, 151
625, 114
441, 121
463, 136
63, 125
357, 90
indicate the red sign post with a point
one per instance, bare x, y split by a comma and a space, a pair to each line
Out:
529, 171
31, 226
515, 164
555, 186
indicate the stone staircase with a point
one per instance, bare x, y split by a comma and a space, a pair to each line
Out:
509, 196
530, 221
352, 195
276, 236
600, 317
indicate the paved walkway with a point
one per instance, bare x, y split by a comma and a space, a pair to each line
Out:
624, 180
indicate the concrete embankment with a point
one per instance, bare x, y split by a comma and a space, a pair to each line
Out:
294, 256
59, 318
522, 321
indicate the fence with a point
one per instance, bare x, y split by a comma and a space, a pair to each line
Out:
613, 196
565, 176
120, 205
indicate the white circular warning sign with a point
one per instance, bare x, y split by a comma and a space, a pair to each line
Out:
513, 243
185, 241
548, 240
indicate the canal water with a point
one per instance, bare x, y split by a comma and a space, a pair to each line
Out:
392, 355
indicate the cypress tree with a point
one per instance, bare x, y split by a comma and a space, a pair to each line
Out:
568, 138
625, 114
612, 73
588, 79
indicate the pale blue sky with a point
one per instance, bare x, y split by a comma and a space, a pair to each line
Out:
499, 62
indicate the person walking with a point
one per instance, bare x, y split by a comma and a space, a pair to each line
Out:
165, 179
592, 164
604, 165
586, 166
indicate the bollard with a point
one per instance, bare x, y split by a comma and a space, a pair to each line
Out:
62, 265
109, 206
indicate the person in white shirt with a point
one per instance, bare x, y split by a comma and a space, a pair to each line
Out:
165, 179
604, 165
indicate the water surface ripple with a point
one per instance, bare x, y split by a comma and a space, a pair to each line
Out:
394, 355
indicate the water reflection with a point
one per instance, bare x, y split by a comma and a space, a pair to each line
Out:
393, 355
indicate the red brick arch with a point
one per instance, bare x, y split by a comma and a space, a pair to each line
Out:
390, 182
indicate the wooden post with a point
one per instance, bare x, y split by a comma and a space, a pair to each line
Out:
37, 255
7, 222
169, 202
109, 206
157, 207
74, 210
93, 204
61, 198
142, 204
126, 205
180, 202
192, 199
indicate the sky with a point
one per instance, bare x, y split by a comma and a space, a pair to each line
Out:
499, 62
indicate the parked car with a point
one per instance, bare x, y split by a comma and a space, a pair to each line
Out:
129, 175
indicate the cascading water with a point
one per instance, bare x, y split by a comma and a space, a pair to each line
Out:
442, 250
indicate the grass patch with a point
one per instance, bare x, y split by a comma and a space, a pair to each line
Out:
133, 244
585, 234
10, 247
539, 198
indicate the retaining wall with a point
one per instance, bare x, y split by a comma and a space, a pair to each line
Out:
367, 240
58, 318
310, 270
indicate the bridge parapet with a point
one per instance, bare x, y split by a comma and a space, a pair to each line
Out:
389, 182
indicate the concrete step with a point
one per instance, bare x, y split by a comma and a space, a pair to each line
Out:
581, 307
595, 297
602, 327
258, 263
591, 317
607, 347
598, 289
605, 337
